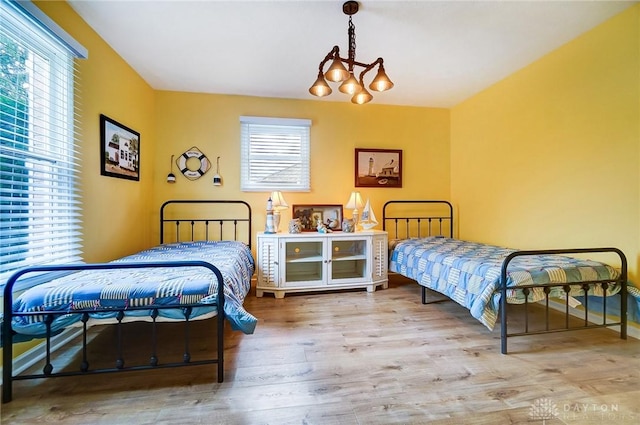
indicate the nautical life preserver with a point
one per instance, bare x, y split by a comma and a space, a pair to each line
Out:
193, 174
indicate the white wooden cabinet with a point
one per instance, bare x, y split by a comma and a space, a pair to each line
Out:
311, 261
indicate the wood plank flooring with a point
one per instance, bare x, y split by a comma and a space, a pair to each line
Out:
354, 358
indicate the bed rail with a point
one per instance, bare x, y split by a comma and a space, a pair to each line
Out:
404, 223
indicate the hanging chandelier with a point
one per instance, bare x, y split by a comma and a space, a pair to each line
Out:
338, 73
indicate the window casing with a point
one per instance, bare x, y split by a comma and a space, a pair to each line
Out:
275, 154
39, 198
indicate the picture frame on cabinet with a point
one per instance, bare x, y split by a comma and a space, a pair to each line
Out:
316, 219
310, 214
378, 167
119, 150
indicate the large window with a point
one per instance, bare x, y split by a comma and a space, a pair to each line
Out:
39, 199
274, 154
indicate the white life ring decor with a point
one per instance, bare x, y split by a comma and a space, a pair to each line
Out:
193, 173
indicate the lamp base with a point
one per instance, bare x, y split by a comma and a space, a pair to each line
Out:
276, 220
355, 219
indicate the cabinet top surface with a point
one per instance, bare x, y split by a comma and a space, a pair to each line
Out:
325, 235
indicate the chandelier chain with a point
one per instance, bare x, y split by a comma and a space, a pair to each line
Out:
352, 44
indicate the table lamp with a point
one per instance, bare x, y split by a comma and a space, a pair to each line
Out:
354, 203
279, 204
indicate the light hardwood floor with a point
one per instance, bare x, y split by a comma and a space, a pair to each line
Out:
357, 358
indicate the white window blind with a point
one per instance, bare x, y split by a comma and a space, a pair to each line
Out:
275, 154
39, 200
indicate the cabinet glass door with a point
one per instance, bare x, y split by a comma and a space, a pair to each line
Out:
348, 260
304, 262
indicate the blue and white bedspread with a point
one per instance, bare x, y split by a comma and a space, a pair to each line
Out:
121, 288
469, 273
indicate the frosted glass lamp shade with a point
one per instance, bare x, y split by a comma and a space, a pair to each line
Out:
337, 72
350, 85
320, 88
381, 82
362, 97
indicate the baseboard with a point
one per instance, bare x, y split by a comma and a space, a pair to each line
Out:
37, 353
633, 329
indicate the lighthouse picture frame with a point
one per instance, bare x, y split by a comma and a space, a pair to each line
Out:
378, 167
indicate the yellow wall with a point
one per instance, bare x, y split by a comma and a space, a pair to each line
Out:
113, 209
211, 123
549, 157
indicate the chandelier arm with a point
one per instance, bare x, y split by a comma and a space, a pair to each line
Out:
334, 53
369, 67
360, 64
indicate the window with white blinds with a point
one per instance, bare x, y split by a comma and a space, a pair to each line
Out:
40, 208
275, 154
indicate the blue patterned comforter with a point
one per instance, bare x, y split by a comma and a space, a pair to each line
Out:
120, 288
469, 273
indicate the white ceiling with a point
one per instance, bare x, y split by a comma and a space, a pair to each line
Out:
437, 53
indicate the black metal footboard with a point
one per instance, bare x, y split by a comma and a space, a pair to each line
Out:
585, 323
119, 362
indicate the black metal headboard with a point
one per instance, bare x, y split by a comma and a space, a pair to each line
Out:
203, 219
417, 218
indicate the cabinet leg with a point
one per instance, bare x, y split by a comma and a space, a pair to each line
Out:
259, 293
279, 294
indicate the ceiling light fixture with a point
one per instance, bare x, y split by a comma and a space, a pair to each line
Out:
338, 73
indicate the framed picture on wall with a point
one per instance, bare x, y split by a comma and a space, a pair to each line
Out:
378, 167
119, 150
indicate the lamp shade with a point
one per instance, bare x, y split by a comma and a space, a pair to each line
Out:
362, 97
350, 85
355, 201
277, 200
320, 87
337, 72
381, 82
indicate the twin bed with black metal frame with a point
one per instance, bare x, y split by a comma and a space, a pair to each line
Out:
485, 278
206, 276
